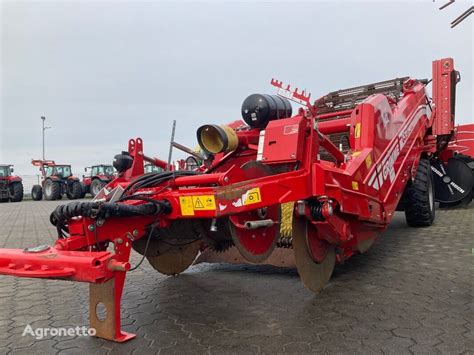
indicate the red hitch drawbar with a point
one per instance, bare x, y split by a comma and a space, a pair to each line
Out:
103, 270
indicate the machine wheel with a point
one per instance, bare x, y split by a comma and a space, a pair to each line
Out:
96, 186
85, 189
453, 181
307, 249
52, 190
16, 192
176, 259
419, 197
3, 200
74, 191
170, 256
256, 245
168, 253
37, 193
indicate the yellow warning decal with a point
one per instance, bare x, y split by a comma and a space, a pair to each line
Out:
186, 204
368, 161
357, 131
252, 196
355, 185
204, 203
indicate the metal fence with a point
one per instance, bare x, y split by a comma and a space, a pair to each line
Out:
29, 181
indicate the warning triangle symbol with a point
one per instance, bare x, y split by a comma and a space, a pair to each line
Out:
198, 204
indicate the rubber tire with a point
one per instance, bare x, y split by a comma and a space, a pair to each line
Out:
16, 192
419, 197
85, 189
37, 193
2, 200
96, 185
75, 191
55, 190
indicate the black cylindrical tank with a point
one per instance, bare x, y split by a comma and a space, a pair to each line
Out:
122, 162
259, 109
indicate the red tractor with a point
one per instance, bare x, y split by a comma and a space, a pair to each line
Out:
317, 186
11, 187
100, 175
56, 180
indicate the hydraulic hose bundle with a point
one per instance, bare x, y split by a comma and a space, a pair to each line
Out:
103, 210
63, 213
154, 179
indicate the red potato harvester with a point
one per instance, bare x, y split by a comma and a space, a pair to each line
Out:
319, 185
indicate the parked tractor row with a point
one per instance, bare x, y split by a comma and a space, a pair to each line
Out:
58, 180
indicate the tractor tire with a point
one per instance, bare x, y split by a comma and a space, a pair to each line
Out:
52, 190
85, 189
419, 197
74, 191
96, 186
16, 192
37, 193
2, 200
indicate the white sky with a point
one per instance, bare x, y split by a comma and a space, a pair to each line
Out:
103, 72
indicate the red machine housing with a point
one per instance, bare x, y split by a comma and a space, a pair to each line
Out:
462, 141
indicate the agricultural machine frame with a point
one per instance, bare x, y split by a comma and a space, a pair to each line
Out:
340, 197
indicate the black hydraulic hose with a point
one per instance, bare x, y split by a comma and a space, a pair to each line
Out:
60, 216
63, 213
165, 206
155, 179
105, 210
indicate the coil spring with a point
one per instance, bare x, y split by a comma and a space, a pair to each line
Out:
317, 211
285, 242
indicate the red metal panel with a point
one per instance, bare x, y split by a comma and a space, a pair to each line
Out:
443, 96
463, 140
284, 141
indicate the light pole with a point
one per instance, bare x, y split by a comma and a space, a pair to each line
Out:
44, 129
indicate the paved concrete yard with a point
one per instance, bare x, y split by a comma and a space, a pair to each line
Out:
411, 293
